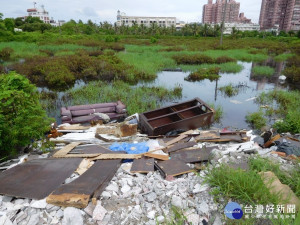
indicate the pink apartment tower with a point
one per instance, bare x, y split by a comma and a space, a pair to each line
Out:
284, 14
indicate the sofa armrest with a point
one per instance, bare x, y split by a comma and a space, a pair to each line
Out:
64, 112
121, 107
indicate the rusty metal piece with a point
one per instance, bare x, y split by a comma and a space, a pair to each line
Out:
37, 178
187, 115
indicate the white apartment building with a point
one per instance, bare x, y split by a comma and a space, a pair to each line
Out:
40, 13
241, 27
122, 18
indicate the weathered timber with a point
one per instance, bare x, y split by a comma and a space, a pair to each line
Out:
173, 167
143, 165
78, 193
36, 179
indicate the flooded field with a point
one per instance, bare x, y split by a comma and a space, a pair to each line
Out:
235, 107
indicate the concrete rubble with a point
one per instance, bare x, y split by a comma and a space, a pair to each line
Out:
137, 198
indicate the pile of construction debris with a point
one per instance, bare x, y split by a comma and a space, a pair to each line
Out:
112, 174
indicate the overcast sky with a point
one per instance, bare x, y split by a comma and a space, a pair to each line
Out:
106, 10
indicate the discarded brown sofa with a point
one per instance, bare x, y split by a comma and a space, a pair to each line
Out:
85, 113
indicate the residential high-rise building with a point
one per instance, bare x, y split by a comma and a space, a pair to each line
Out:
284, 14
214, 12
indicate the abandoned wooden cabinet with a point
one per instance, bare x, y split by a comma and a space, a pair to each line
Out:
187, 115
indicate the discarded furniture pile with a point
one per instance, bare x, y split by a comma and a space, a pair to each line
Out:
96, 152
87, 113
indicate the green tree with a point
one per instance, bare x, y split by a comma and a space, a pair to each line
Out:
1, 16
22, 118
9, 24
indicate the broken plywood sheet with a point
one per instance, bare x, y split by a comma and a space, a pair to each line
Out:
78, 193
65, 150
227, 137
192, 156
90, 149
282, 190
173, 167
157, 156
208, 135
143, 165
117, 156
179, 146
36, 179
74, 127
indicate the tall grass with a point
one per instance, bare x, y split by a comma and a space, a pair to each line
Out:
26, 50
137, 99
286, 105
283, 57
229, 67
239, 54
146, 59
263, 71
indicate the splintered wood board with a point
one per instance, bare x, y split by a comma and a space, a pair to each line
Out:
180, 137
204, 135
157, 156
143, 165
179, 146
78, 193
192, 156
65, 150
173, 167
73, 127
36, 179
117, 156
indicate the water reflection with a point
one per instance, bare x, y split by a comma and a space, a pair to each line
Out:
236, 107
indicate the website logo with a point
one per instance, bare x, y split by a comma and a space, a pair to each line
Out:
233, 211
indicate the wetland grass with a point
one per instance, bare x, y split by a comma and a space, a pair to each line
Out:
137, 99
263, 71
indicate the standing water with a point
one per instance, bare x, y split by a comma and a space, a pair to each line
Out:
235, 108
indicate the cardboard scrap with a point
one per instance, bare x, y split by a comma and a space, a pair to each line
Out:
288, 197
74, 127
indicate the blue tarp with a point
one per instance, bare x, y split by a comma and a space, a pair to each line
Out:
130, 148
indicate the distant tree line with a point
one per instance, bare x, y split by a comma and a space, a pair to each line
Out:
31, 24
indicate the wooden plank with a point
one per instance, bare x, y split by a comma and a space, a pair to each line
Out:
73, 127
117, 156
65, 150
110, 174
192, 156
208, 135
180, 137
269, 143
36, 179
157, 156
92, 149
143, 165
173, 167
78, 193
79, 156
179, 146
